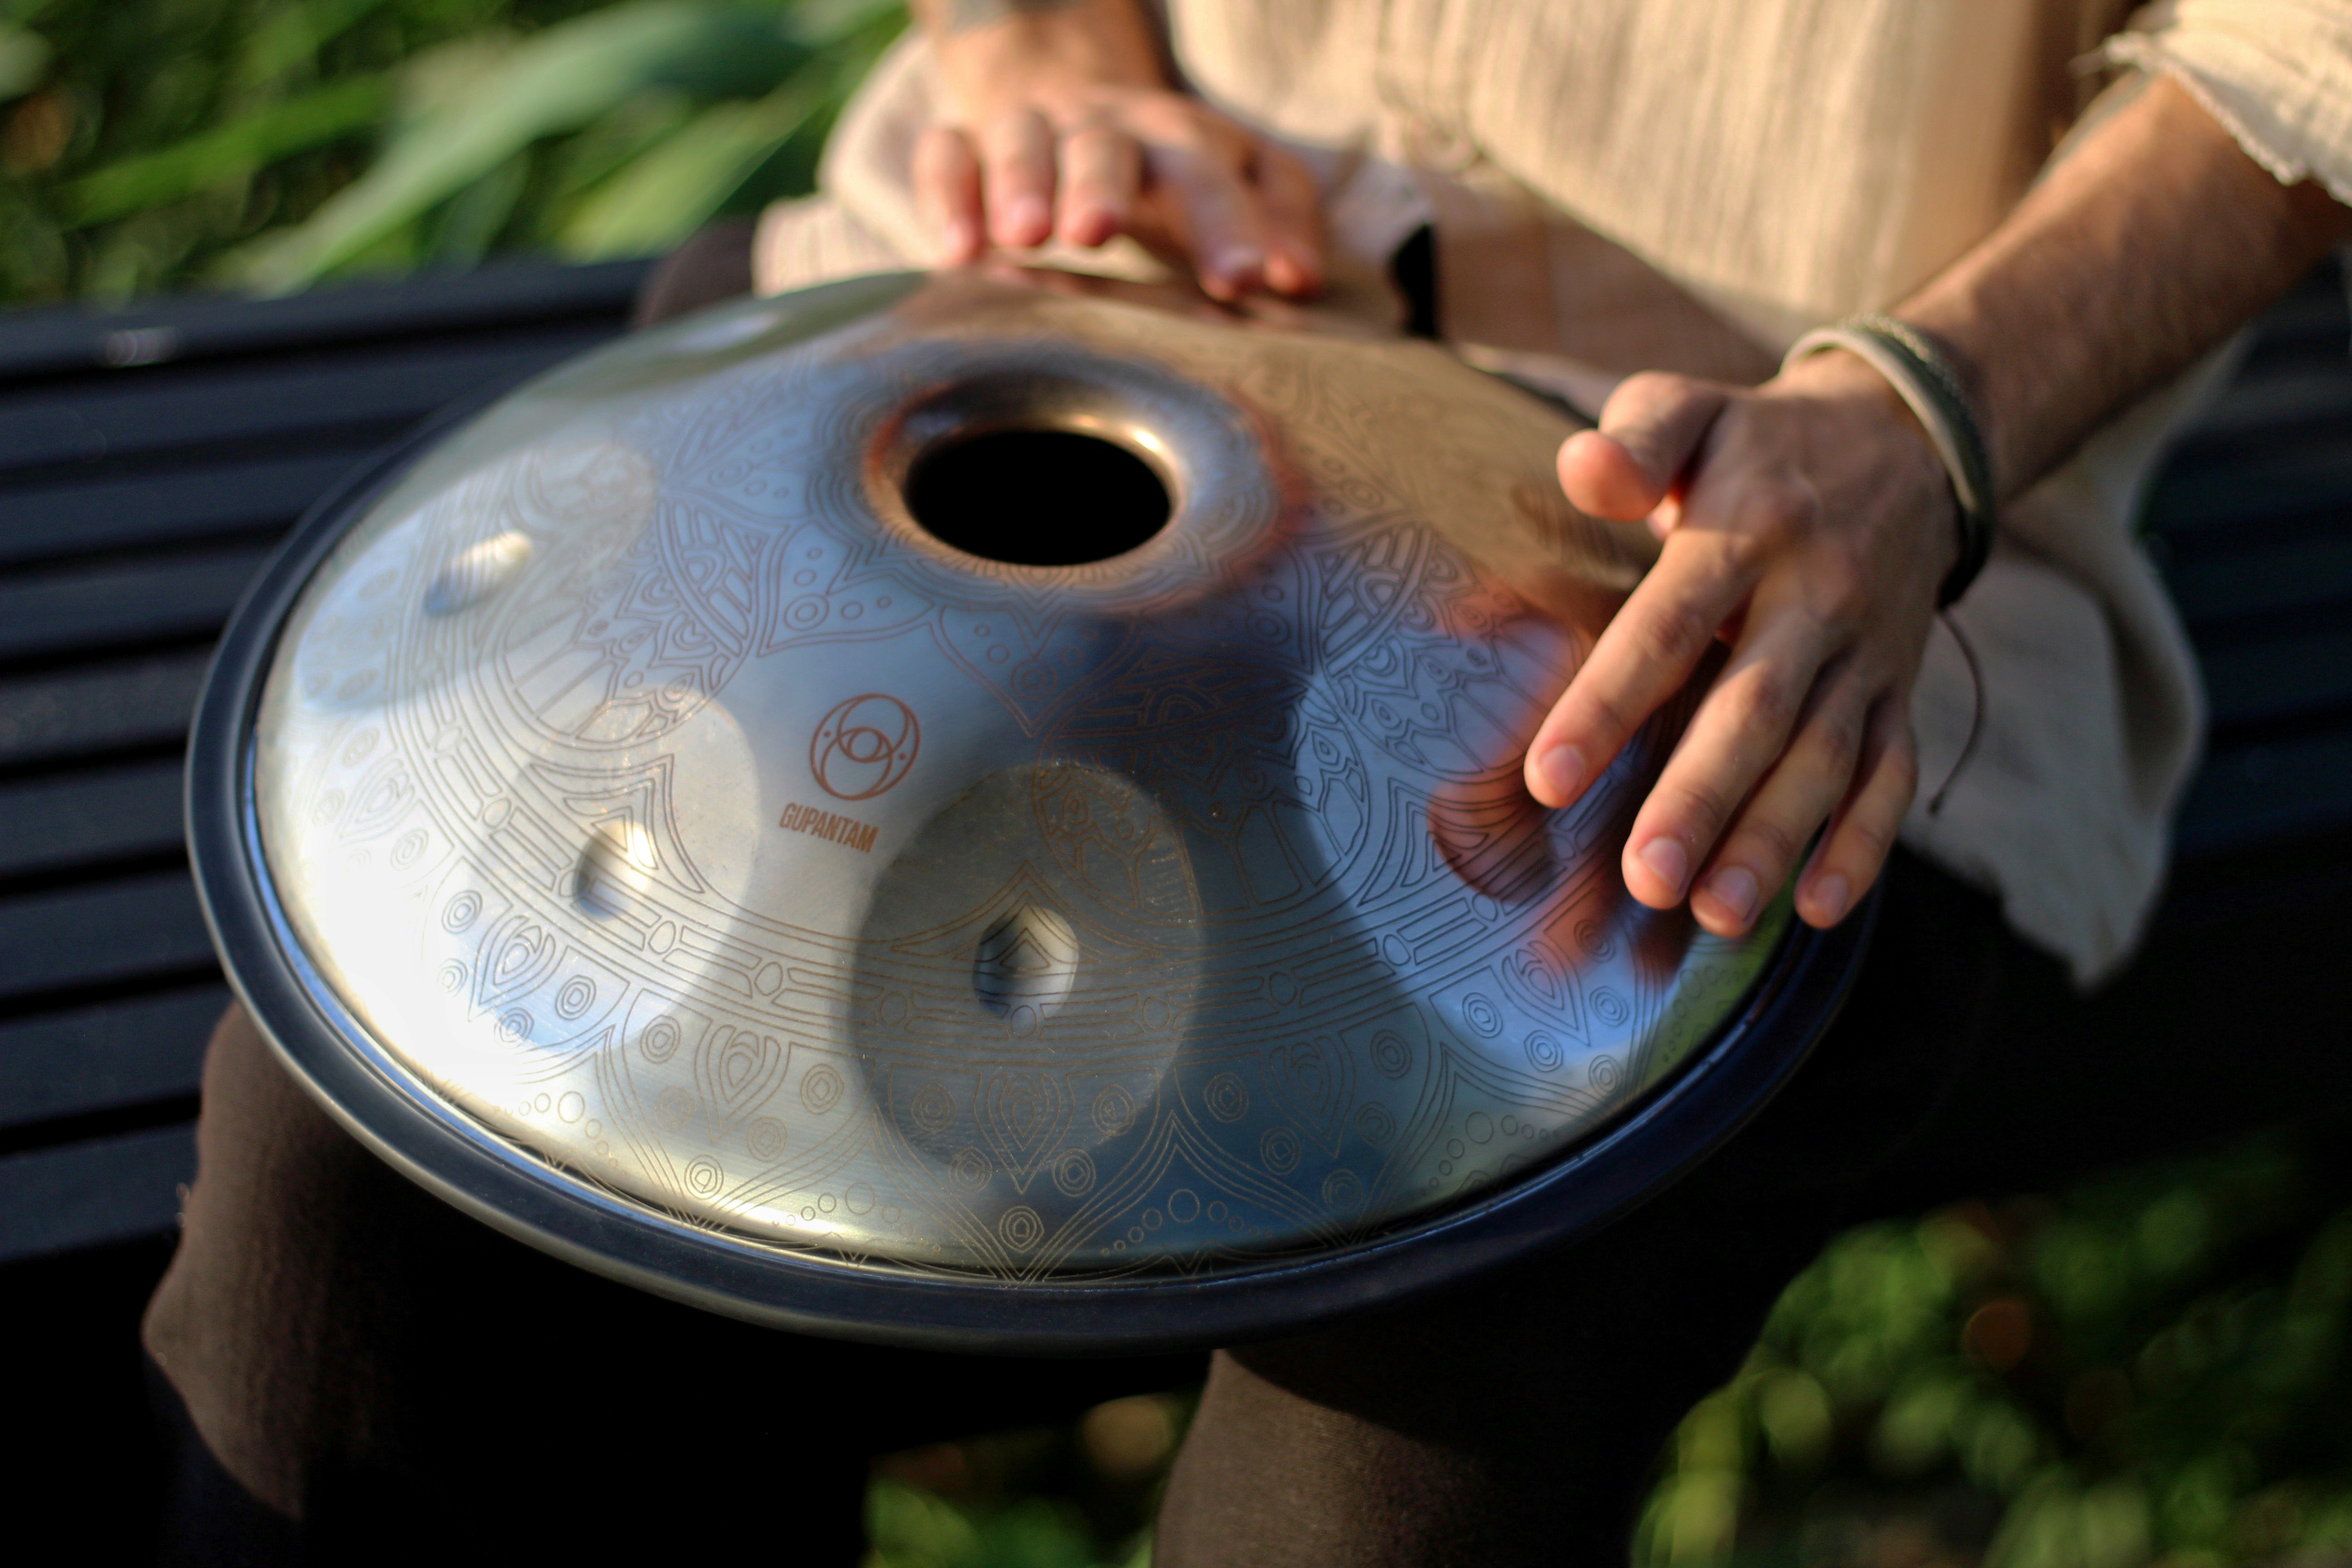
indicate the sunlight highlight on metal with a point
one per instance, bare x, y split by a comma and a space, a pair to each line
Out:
667, 806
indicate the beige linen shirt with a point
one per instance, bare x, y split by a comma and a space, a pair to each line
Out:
1689, 185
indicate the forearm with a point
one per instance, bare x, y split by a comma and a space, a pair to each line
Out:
2157, 239
985, 46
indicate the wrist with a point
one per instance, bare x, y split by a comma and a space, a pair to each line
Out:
1912, 465
992, 52
1838, 373
1922, 375
1953, 327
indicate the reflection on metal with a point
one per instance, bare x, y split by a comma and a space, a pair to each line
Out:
619, 867
477, 572
675, 813
1029, 958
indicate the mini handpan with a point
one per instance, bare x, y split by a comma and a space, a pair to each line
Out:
977, 810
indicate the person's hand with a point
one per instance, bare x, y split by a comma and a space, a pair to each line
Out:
1807, 523
1042, 154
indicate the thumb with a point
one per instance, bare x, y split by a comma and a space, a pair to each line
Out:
1650, 429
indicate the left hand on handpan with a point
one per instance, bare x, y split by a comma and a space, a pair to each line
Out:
1808, 523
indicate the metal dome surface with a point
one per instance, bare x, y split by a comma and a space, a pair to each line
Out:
633, 805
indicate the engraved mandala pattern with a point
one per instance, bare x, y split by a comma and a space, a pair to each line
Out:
667, 802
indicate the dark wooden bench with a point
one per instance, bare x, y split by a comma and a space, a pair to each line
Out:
149, 461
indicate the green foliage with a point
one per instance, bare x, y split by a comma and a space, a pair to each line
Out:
24, 56
2152, 1369
910, 1528
159, 144
1078, 1498
200, 162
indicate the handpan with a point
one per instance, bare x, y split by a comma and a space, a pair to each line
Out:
980, 810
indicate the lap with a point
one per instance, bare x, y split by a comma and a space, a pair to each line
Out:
326, 1320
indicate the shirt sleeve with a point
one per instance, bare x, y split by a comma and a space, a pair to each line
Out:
2276, 73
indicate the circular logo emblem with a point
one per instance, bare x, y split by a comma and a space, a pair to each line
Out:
864, 746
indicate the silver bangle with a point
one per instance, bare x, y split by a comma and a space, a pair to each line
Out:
1923, 378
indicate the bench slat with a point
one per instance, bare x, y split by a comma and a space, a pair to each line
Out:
117, 930
80, 608
2289, 570
2314, 312
2213, 497
92, 1060
2283, 673
182, 506
89, 817
2263, 406
86, 1194
2268, 790
494, 297
269, 401
113, 706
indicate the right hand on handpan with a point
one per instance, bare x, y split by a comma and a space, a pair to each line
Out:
1066, 126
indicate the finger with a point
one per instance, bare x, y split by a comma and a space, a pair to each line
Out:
1739, 733
1642, 657
1768, 838
1018, 151
1863, 834
1293, 215
1214, 214
1102, 170
1650, 429
947, 193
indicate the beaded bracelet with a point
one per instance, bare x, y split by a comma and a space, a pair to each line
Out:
1921, 376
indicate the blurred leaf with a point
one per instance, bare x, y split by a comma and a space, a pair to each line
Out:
1796, 1417
615, 140
1036, 1533
469, 224
665, 196
231, 152
556, 81
1691, 1518
290, 38
913, 1529
24, 56
444, 79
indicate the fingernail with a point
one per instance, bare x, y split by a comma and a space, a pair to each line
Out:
1237, 264
1831, 895
1734, 888
1667, 860
1024, 216
1298, 273
1563, 769
963, 240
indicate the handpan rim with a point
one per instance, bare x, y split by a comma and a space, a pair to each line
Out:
330, 1050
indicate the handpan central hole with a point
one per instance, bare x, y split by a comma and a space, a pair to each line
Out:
1037, 497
